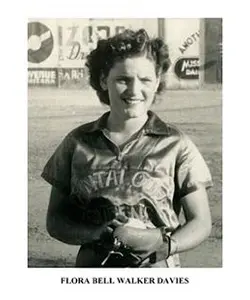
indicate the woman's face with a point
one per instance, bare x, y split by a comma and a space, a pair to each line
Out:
131, 84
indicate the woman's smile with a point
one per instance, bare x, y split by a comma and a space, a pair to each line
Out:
132, 101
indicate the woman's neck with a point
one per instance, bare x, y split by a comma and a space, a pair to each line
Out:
125, 126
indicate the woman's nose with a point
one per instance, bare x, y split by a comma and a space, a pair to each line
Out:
134, 88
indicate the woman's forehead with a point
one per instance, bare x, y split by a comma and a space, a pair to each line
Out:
140, 64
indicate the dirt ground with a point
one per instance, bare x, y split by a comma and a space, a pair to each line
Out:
53, 113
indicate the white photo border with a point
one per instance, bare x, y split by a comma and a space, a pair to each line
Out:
204, 283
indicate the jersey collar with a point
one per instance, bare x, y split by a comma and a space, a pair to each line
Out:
154, 125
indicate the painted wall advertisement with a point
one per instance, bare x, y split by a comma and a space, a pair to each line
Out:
184, 51
57, 48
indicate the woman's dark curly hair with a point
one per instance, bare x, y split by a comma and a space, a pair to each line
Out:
126, 44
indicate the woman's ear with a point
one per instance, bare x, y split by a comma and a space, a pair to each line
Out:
103, 82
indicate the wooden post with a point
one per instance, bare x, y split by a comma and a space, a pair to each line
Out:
202, 57
161, 28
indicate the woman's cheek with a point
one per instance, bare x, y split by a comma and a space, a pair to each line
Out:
120, 88
148, 94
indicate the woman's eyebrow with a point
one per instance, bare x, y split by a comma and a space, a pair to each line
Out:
131, 76
124, 76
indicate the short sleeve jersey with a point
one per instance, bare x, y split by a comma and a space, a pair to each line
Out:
146, 179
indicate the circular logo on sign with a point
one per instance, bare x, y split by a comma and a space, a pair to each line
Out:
40, 42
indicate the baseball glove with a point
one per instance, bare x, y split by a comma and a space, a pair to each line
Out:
138, 244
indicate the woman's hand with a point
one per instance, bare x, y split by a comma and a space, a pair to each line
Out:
119, 220
104, 233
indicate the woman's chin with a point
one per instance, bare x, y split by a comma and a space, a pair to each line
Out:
135, 113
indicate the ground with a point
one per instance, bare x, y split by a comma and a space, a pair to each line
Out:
53, 113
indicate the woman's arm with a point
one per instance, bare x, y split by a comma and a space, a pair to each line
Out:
60, 227
198, 222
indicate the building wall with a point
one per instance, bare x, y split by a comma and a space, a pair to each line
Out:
183, 39
57, 49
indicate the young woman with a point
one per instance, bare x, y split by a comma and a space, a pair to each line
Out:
118, 183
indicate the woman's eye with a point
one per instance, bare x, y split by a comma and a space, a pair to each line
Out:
122, 80
146, 79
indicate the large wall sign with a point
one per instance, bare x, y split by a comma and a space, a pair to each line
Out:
77, 37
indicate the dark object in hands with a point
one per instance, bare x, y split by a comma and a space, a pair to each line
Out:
100, 211
97, 211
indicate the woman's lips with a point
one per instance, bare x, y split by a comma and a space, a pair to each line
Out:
132, 101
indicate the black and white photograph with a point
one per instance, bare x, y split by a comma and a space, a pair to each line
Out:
125, 142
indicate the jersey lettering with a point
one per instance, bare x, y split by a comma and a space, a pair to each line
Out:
157, 188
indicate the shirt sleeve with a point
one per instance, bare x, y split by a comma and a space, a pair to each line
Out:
192, 170
57, 170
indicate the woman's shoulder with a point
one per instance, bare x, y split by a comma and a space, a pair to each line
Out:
158, 125
174, 130
182, 136
86, 128
78, 133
